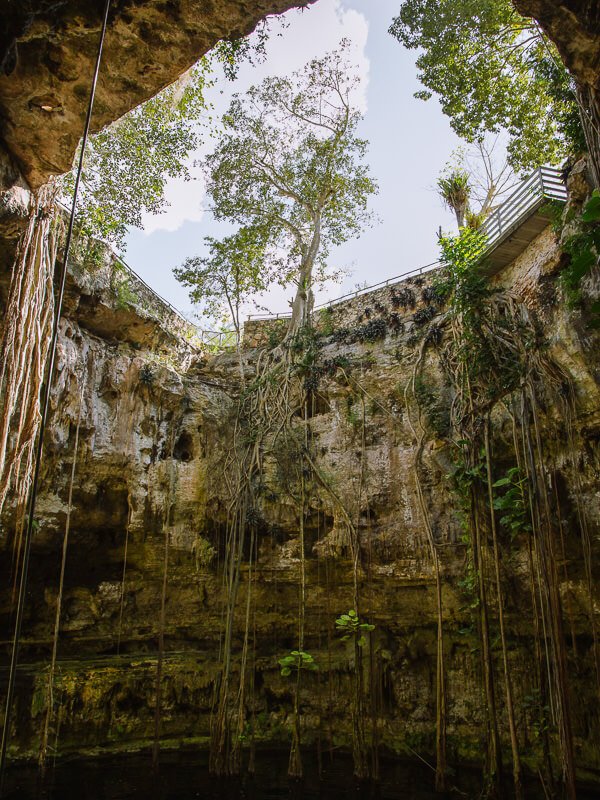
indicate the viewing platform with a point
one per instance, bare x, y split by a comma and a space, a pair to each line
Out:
509, 230
521, 217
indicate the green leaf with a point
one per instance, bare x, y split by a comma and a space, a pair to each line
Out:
286, 671
485, 63
591, 212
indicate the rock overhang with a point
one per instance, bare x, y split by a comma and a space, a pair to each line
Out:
48, 50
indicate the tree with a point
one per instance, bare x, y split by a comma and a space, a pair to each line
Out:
233, 273
127, 165
493, 70
289, 166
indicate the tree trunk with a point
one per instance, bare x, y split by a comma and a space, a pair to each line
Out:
303, 302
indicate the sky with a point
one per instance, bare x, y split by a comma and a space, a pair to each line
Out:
410, 144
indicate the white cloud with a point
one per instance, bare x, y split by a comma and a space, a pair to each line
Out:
311, 33
185, 204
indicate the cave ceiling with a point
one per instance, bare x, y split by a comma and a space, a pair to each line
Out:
48, 49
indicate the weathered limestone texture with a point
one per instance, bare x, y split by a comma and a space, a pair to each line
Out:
156, 426
48, 51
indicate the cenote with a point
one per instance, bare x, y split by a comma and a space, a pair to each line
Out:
312, 542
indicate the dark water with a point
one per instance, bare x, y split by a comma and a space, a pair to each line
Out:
185, 777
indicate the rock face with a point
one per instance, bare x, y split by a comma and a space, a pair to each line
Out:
574, 27
47, 56
156, 425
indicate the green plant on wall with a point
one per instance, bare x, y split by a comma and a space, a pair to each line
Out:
460, 280
583, 248
88, 254
126, 297
514, 503
435, 408
204, 553
297, 661
119, 283
468, 477
326, 320
352, 628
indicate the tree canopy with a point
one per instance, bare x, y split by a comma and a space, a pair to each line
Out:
127, 164
289, 166
493, 70
233, 272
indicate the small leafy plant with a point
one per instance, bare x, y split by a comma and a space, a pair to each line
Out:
350, 626
584, 251
513, 503
296, 661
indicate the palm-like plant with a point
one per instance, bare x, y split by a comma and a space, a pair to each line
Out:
455, 190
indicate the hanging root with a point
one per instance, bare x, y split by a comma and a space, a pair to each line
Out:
24, 347
43, 754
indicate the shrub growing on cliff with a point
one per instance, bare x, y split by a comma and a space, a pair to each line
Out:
297, 660
350, 626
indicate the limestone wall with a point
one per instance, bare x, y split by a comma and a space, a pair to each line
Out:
401, 306
151, 481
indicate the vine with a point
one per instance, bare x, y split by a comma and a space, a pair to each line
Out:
490, 349
583, 250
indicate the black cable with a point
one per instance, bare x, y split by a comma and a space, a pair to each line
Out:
45, 406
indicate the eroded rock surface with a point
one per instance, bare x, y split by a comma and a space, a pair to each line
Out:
574, 26
47, 56
156, 420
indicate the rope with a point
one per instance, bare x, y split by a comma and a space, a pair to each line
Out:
61, 583
45, 406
